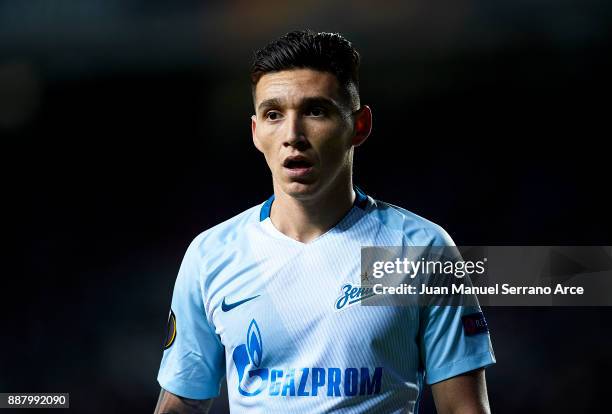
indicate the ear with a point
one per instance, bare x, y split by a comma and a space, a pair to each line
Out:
254, 132
363, 125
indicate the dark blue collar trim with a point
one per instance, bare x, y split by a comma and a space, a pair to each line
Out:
361, 201
266, 208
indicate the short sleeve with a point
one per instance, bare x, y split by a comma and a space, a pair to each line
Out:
193, 362
450, 345
454, 339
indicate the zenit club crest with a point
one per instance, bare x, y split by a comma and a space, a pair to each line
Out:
171, 330
352, 294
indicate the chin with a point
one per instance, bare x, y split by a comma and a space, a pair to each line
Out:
300, 190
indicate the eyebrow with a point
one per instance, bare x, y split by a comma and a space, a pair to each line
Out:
310, 101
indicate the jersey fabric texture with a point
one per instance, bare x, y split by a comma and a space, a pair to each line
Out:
268, 313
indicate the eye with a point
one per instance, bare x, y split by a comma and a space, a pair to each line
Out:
272, 115
316, 111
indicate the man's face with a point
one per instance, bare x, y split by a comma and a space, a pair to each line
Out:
304, 129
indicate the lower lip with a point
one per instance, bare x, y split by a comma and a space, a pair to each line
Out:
298, 172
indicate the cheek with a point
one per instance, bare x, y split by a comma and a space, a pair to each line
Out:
266, 146
264, 138
336, 147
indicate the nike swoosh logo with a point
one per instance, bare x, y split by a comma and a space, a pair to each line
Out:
226, 307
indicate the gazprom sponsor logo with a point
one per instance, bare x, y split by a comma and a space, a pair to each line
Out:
298, 382
351, 294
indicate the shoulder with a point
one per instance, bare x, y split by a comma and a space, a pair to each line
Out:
416, 230
223, 234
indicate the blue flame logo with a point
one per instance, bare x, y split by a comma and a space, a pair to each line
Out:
250, 354
254, 344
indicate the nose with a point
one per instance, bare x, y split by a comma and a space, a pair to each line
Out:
295, 134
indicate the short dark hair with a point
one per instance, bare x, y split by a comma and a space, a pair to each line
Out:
327, 52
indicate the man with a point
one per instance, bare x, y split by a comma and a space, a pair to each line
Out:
257, 298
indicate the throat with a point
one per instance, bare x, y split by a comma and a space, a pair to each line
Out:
306, 220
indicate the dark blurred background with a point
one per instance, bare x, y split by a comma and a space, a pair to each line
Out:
125, 132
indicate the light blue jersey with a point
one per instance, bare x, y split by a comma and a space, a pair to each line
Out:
270, 314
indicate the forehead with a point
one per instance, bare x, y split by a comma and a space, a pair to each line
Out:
291, 86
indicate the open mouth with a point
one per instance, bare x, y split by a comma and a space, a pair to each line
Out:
294, 163
298, 166
297, 163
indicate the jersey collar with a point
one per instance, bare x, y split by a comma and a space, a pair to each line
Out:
361, 201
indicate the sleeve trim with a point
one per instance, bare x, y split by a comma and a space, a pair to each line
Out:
455, 368
188, 390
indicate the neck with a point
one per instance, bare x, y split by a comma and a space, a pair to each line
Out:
306, 219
